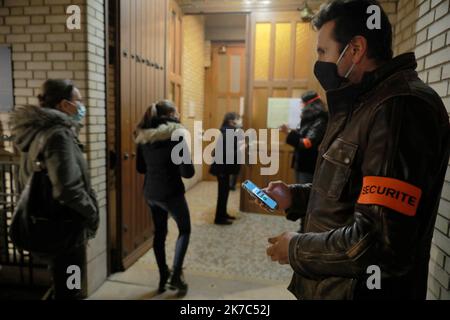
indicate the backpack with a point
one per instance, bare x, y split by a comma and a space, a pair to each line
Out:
41, 224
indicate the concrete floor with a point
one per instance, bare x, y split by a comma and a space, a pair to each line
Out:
222, 262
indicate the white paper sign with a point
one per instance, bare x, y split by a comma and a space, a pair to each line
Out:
284, 111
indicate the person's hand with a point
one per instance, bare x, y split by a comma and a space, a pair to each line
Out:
280, 192
279, 249
284, 128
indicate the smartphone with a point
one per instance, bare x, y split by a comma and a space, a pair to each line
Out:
257, 193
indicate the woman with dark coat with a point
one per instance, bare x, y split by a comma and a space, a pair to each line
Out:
50, 132
164, 189
223, 170
307, 138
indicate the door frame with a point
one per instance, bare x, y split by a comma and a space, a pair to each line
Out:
209, 77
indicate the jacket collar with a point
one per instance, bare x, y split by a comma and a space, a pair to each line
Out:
161, 133
30, 120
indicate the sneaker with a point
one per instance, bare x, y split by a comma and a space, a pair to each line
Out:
177, 282
163, 277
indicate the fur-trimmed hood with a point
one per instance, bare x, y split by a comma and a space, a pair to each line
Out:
161, 133
28, 121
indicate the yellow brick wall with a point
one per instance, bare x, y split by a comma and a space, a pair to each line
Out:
42, 48
193, 77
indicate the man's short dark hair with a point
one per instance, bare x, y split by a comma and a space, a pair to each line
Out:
351, 20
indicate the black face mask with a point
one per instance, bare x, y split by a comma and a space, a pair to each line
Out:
328, 76
327, 73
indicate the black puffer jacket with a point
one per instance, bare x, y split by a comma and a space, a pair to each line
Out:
307, 138
162, 176
62, 156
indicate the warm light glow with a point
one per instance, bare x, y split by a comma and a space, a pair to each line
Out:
262, 50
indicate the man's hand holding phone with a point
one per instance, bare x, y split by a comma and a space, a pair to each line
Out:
280, 192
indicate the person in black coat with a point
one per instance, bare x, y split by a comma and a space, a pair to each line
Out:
223, 169
307, 138
163, 188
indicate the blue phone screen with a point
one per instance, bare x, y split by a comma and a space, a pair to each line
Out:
251, 187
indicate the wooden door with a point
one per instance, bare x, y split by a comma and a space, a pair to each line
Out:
282, 60
224, 87
140, 81
174, 54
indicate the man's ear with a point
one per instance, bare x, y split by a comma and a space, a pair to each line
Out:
358, 49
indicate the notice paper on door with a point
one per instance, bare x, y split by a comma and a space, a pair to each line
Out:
284, 111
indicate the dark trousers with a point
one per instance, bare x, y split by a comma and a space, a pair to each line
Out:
304, 177
233, 181
179, 210
222, 198
63, 276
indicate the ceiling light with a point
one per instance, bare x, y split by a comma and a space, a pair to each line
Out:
306, 13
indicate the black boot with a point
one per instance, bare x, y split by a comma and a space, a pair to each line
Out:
223, 222
230, 217
177, 282
164, 275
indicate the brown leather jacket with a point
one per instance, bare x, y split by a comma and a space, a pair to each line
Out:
376, 190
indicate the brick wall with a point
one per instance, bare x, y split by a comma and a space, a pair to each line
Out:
193, 77
96, 131
423, 26
390, 7
43, 48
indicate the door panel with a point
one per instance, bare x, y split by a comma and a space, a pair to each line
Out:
142, 77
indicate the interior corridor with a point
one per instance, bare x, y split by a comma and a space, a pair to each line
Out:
221, 263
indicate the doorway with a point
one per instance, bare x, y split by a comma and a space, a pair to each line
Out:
226, 70
225, 86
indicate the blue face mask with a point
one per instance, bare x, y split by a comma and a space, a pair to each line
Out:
81, 112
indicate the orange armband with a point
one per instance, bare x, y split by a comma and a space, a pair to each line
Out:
391, 193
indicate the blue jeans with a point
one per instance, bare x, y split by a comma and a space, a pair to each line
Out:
178, 209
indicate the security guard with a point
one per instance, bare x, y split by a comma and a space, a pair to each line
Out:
380, 172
